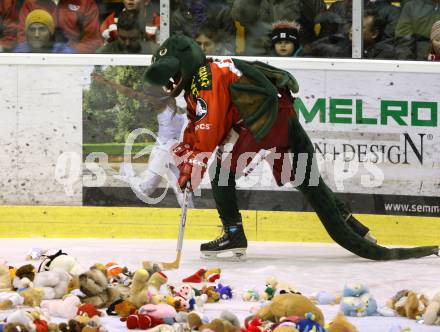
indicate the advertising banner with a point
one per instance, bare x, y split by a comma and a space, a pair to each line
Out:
375, 134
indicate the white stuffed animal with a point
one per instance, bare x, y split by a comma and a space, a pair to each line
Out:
66, 308
54, 283
432, 313
22, 316
62, 261
10, 299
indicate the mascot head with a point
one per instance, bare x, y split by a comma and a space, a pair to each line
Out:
175, 63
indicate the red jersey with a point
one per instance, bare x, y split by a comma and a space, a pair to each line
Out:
109, 28
8, 24
79, 19
211, 113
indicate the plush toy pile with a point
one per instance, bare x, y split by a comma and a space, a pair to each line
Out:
58, 294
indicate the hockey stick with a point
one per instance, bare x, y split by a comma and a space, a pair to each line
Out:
176, 263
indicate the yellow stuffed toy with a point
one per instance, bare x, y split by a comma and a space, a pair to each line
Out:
341, 324
145, 288
285, 305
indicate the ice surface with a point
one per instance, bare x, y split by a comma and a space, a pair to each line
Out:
309, 267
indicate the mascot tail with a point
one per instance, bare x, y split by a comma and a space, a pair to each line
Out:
329, 211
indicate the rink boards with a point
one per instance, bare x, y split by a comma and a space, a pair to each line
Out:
375, 133
156, 223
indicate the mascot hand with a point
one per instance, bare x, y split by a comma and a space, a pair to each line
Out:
181, 149
191, 170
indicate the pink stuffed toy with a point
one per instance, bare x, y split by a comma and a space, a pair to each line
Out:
159, 311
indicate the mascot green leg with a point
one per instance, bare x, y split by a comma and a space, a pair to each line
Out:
347, 232
225, 195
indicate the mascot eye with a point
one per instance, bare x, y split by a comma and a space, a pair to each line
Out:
163, 51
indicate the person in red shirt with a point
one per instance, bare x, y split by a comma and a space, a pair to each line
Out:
150, 18
8, 25
77, 19
245, 107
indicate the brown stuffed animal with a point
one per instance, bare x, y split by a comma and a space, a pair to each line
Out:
213, 296
341, 324
15, 327
408, 304
227, 322
285, 305
24, 277
94, 285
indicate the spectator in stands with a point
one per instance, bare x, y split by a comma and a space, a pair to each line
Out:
188, 16
285, 39
75, 20
149, 18
330, 24
131, 37
434, 55
8, 25
211, 41
373, 31
387, 12
40, 31
253, 20
333, 41
413, 29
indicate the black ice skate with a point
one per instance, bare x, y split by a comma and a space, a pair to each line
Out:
232, 240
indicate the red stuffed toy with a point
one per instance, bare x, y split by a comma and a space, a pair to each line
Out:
253, 326
141, 321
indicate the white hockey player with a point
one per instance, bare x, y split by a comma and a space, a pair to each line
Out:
161, 165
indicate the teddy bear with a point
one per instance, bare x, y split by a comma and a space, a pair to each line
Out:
145, 286
23, 317
5, 280
213, 296
24, 277
289, 304
32, 296
409, 304
61, 260
276, 287
364, 305
10, 300
432, 312
227, 322
54, 283
341, 324
357, 301
94, 286
269, 291
65, 308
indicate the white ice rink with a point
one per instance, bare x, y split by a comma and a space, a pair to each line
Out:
309, 267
